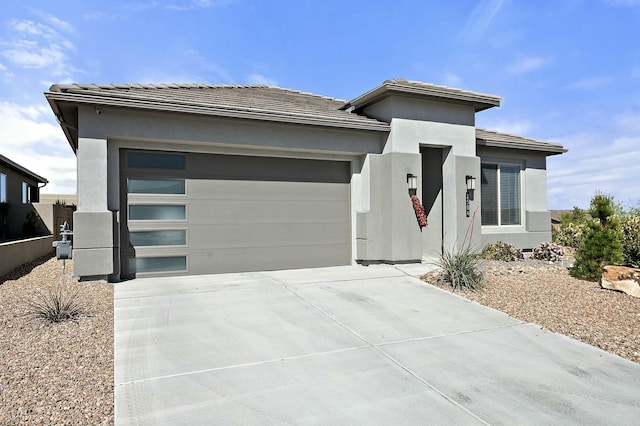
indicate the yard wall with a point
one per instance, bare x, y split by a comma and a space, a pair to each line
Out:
16, 253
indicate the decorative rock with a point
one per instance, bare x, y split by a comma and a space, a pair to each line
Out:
621, 278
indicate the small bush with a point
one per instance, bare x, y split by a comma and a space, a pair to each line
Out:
56, 305
569, 235
460, 268
601, 243
501, 251
548, 251
630, 227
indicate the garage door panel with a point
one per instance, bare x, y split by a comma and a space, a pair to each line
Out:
266, 212
276, 235
267, 169
265, 258
264, 191
237, 213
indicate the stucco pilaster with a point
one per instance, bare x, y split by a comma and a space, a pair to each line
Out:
93, 241
92, 174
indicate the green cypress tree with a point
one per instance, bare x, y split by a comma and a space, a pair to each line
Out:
601, 244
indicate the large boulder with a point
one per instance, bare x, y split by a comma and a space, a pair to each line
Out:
621, 278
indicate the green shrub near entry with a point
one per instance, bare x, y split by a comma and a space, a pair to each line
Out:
548, 251
630, 227
460, 268
573, 225
569, 235
501, 251
601, 243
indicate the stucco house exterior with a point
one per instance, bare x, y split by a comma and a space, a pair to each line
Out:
19, 188
194, 179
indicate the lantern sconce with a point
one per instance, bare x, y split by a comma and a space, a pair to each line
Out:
412, 183
471, 183
471, 187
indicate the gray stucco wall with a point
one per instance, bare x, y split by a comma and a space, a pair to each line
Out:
536, 226
383, 227
103, 137
389, 231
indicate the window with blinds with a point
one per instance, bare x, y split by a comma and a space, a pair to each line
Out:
501, 195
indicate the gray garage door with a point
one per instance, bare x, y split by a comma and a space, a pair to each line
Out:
198, 214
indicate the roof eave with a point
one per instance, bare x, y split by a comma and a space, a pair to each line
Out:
22, 170
480, 101
57, 112
210, 111
549, 150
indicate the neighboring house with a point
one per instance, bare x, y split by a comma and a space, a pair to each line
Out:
194, 179
19, 188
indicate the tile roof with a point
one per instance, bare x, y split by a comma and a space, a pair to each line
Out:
241, 101
505, 140
480, 101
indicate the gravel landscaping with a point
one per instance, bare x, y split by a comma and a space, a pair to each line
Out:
62, 373
545, 294
55, 373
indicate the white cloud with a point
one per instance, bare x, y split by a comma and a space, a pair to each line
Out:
451, 79
30, 137
34, 45
629, 121
589, 83
260, 79
525, 64
480, 19
513, 127
594, 162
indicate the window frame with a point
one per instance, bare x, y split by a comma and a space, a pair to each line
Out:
3, 188
498, 165
25, 192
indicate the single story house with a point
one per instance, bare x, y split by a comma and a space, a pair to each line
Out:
19, 187
196, 179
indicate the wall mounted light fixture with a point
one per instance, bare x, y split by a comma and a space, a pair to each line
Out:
471, 183
412, 183
471, 187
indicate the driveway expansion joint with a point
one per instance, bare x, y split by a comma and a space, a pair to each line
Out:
383, 353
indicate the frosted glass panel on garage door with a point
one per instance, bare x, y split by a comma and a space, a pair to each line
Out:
157, 212
155, 186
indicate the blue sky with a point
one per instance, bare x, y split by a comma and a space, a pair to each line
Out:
568, 70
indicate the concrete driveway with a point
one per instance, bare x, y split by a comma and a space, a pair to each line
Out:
349, 345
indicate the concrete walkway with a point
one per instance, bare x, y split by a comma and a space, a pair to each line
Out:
349, 345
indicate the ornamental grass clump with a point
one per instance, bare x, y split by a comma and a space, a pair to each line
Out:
548, 251
501, 251
460, 268
56, 305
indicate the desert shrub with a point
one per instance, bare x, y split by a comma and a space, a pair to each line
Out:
576, 216
630, 227
460, 268
569, 235
501, 251
56, 305
573, 225
601, 242
548, 251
